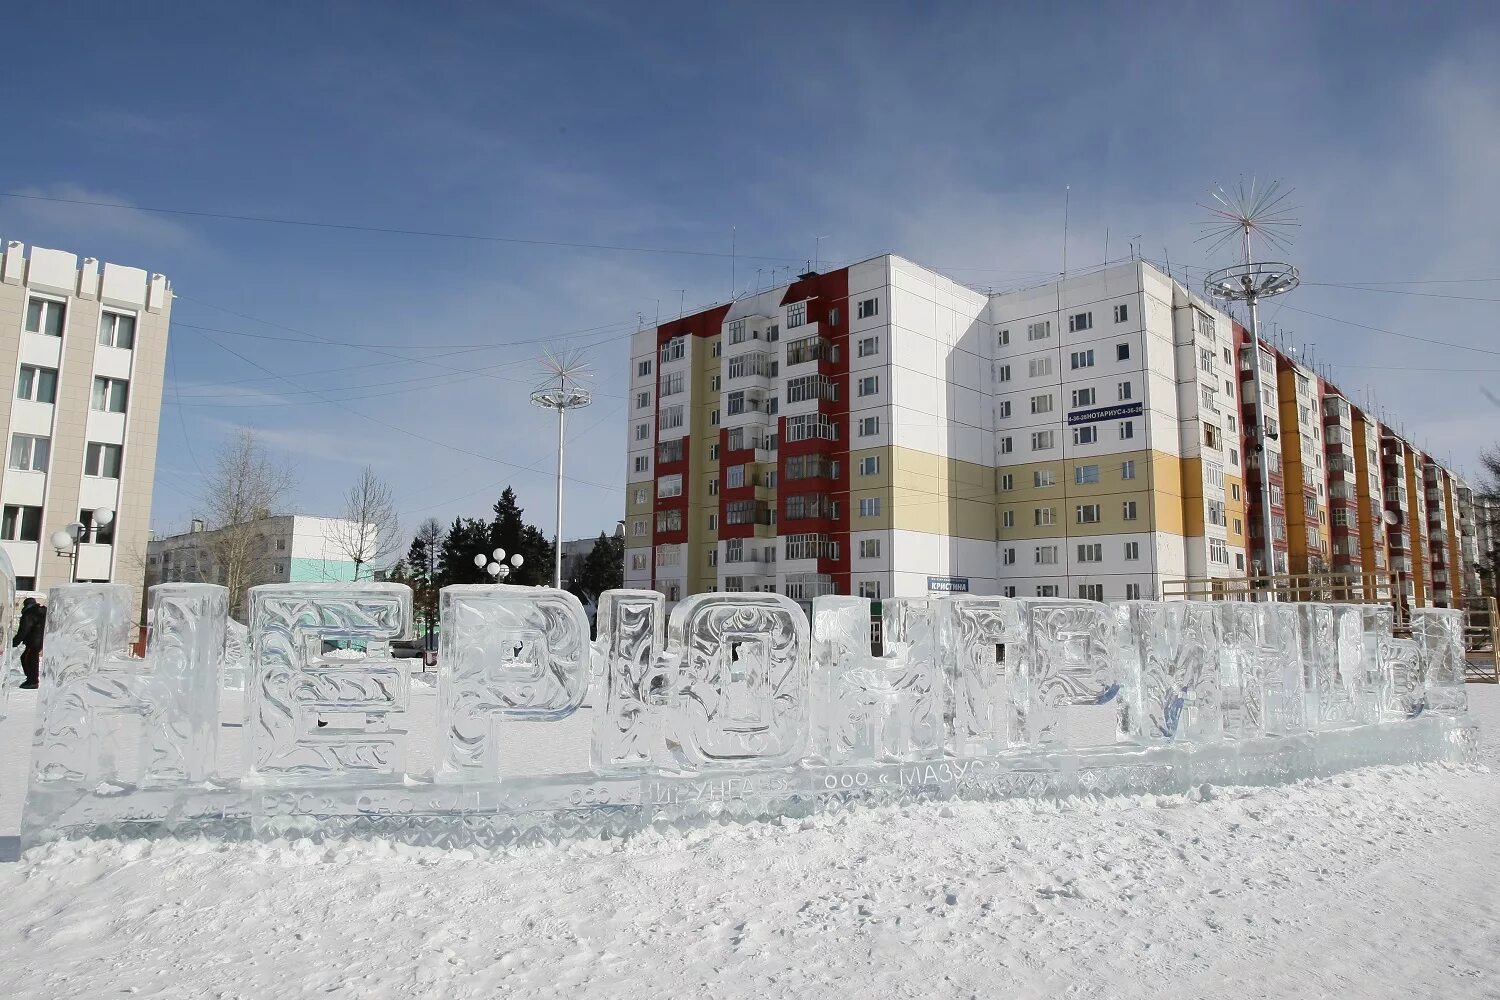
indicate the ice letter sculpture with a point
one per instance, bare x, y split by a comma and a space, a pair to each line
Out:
874, 709
507, 652
319, 711
1439, 635
725, 709
1169, 653
107, 720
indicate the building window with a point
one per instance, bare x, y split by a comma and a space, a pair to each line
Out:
1002, 373
811, 425
1218, 552
1007, 519
669, 520
1079, 322
1007, 483
713, 487
735, 478
673, 349
1091, 591
1041, 404
642, 463
1038, 367
1124, 389
1046, 555
1127, 429
1046, 590
44, 316
669, 486
1043, 517
642, 432
1008, 592
1083, 397
110, 394
717, 349
1091, 552
1122, 352
869, 465
1210, 436
671, 384
37, 384
869, 548
1039, 331
1087, 513
1002, 339
1132, 551
22, 524
1042, 478
1129, 510
833, 316
868, 347
29, 453
640, 495
1122, 313
642, 400
643, 368
869, 426
1082, 359
868, 307
869, 589
638, 528
1003, 410
714, 383
869, 385
102, 460
103, 534
638, 561
1042, 440
671, 418
1007, 557
869, 507
796, 315
1006, 446
1085, 435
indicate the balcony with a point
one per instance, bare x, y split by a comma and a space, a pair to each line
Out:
757, 367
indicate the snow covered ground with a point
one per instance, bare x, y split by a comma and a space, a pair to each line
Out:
1375, 884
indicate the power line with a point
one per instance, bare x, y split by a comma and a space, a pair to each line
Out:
1399, 291
385, 230
1393, 333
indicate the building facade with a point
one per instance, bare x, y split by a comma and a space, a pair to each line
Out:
85, 345
883, 430
286, 548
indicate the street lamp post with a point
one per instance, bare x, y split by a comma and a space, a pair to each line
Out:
498, 568
562, 393
67, 541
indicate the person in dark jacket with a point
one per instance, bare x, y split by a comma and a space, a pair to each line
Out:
29, 635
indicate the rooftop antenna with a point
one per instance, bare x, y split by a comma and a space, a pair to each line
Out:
1067, 199
733, 235
817, 248
1249, 212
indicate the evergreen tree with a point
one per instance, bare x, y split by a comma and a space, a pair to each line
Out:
604, 567
467, 537
509, 531
421, 568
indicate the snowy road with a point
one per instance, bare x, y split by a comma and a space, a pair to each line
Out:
1375, 884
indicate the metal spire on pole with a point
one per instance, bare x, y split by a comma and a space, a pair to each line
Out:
562, 392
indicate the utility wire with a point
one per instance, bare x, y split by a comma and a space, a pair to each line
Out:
1393, 333
387, 230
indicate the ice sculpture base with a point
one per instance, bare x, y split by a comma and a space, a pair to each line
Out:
555, 808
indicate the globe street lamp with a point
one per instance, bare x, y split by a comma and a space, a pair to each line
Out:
66, 542
498, 568
562, 393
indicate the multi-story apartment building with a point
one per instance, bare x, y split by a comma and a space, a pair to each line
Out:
86, 348
883, 430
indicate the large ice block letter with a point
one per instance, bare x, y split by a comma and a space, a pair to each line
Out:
630, 693
873, 708
1070, 662
1439, 635
161, 713
738, 670
318, 712
982, 641
1169, 652
507, 652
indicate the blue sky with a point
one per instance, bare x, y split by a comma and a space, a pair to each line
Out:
947, 135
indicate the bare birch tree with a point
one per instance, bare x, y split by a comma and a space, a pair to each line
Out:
371, 529
244, 488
